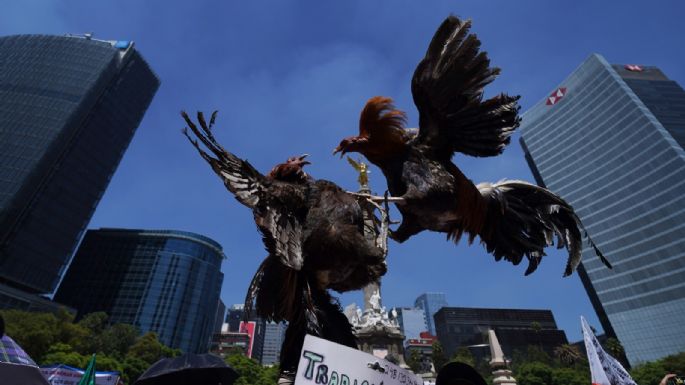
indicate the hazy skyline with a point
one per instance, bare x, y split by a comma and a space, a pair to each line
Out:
291, 77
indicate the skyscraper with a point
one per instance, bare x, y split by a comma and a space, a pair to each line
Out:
412, 322
274, 333
69, 107
609, 140
158, 280
430, 303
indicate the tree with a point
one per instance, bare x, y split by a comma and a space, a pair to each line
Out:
34, 332
674, 363
536, 354
567, 354
649, 373
147, 348
248, 369
61, 353
414, 361
615, 349
534, 373
569, 376
132, 368
438, 356
464, 355
117, 339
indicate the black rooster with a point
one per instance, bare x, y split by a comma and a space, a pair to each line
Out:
512, 218
313, 232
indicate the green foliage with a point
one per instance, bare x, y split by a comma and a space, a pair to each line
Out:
414, 361
569, 376
649, 373
534, 373
464, 355
674, 363
61, 353
55, 339
132, 369
117, 339
567, 354
251, 372
439, 359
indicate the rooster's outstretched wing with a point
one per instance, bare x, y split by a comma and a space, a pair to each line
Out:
274, 203
447, 87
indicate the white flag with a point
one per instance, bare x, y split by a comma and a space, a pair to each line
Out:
604, 369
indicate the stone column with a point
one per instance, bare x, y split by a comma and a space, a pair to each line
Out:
500, 366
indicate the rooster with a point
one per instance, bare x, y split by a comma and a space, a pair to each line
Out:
313, 232
512, 218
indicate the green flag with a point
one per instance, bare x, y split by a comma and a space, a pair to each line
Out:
89, 375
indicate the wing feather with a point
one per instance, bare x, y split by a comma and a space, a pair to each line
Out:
447, 87
275, 204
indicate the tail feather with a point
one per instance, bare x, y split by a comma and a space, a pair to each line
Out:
523, 219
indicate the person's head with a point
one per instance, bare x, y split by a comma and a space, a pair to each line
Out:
457, 373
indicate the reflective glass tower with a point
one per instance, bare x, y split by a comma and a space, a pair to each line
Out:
412, 322
609, 139
430, 303
162, 281
69, 107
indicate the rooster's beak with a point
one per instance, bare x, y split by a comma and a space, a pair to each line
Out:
302, 161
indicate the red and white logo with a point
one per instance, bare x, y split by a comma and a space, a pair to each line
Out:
556, 96
633, 67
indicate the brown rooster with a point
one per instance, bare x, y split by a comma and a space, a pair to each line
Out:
313, 232
512, 218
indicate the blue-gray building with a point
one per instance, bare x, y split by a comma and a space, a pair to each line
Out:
609, 139
412, 322
69, 107
430, 303
274, 334
163, 281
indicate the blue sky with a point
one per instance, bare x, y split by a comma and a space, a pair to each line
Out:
290, 77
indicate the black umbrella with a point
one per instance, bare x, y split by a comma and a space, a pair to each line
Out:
189, 369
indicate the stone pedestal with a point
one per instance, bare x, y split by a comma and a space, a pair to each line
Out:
500, 366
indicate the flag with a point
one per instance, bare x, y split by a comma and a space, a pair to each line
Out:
604, 369
89, 375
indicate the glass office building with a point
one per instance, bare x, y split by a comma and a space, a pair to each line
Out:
69, 107
516, 329
274, 334
162, 281
609, 139
412, 322
430, 303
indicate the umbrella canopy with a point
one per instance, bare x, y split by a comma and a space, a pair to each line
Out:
11, 352
189, 369
20, 374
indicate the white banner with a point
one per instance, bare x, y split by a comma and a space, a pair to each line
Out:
66, 375
326, 363
604, 369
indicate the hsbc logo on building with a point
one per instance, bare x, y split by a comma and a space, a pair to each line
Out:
557, 95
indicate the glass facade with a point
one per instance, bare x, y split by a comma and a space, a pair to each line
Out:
612, 147
69, 107
162, 281
430, 303
412, 322
274, 333
465, 327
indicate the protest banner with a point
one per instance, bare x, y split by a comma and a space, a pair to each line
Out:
323, 362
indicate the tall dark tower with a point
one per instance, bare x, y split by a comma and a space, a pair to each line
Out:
609, 139
69, 106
